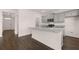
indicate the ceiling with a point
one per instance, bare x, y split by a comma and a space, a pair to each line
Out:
50, 10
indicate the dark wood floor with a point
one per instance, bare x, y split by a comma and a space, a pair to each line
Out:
70, 43
11, 42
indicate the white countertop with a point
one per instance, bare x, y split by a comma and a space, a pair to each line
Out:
48, 29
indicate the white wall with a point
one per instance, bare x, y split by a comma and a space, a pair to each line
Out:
16, 21
27, 19
0, 23
72, 26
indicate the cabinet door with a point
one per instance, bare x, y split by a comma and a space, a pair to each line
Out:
72, 13
47, 16
59, 18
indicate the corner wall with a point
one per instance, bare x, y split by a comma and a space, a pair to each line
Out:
27, 19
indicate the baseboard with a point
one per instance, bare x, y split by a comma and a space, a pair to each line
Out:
20, 35
25, 35
72, 37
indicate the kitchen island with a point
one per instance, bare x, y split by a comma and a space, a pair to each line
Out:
52, 37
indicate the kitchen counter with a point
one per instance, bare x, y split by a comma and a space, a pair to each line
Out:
52, 37
53, 29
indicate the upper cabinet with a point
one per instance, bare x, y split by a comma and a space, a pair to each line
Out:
45, 17
72, 13
59, 17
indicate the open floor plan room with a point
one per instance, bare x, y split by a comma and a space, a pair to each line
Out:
39, 29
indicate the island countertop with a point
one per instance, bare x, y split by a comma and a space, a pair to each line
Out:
47, 29
52, 37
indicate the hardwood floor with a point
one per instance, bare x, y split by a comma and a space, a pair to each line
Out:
11, 42
70, 43
29, 43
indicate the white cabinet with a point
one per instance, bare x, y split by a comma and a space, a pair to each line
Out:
72, 13
59, 18
47, 16
52, 38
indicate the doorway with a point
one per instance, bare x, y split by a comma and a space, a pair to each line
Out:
9, 36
